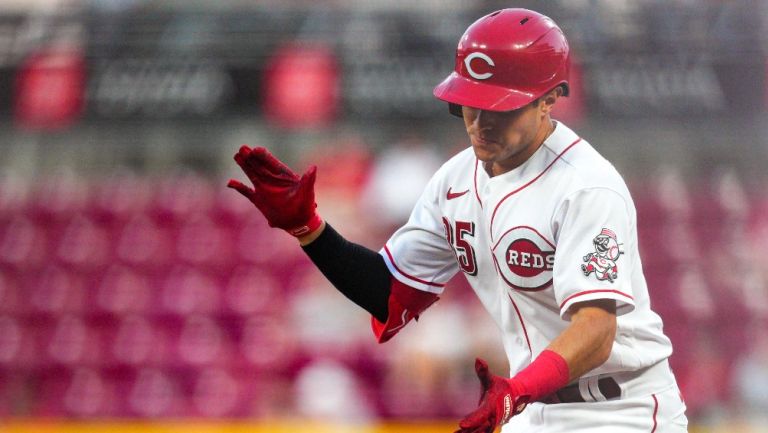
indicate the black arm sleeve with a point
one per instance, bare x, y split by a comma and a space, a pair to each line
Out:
357, 272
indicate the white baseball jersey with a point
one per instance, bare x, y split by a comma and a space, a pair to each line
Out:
557, 230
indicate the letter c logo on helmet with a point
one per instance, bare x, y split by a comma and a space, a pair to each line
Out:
530, 54
468, 64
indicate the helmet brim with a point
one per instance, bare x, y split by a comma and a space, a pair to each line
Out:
459, 90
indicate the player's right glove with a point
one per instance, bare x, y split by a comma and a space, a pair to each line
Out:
501, 398
286, 200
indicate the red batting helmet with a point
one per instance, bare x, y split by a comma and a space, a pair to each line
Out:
506, 60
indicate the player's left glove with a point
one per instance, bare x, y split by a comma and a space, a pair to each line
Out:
501, 399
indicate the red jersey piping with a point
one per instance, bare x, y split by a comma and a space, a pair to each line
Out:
530, 181
411, 277
593, 291
477, 194
523, 227
520, 317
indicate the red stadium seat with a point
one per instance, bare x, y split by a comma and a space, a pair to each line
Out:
153, 393
121, 290
267, 344
48, 399
84, 244
11, 293
252, 290
732, 199
255, 234
201, 242
201, 341
668, 244
217, 393
137, 341
8, 393
647, 205
120, 197
673, 194
79, 392
187, 290
15, 344
688, 295
181, 196
89, 395
142, 243
24, 244
707, 360
56, 290
72, 342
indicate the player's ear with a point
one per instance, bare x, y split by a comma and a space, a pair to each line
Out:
549, 99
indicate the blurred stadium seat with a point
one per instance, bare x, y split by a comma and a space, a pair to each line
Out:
186, 290
24, 244
135, 341
122, 290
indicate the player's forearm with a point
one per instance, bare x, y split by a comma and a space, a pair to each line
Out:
356, 271
586, 344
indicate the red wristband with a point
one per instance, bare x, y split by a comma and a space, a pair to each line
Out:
313, 224
404, 303
545, 375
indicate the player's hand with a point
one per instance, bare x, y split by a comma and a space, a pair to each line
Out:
499, 401
286, 200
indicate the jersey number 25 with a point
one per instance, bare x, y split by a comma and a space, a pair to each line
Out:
457, 238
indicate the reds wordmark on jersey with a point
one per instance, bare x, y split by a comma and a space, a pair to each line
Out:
532, 242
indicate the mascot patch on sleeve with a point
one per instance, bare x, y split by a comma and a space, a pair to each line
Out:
603, 261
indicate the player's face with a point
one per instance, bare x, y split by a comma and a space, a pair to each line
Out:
504, 140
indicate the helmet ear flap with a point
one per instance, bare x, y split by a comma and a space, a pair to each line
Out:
455, 109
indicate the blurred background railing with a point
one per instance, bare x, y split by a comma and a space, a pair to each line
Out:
134, 285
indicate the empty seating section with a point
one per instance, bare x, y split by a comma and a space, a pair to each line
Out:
140, 297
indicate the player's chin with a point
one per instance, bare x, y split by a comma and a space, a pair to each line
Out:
485, 151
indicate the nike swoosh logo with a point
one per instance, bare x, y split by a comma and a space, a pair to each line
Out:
403, 319
453, 195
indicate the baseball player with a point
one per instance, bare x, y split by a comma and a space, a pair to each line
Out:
541, 225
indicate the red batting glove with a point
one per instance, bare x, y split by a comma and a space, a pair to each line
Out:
286, 200
500, 400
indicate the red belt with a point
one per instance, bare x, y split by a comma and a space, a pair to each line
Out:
571, 394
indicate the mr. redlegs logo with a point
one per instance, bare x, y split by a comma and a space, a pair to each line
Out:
525, 259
